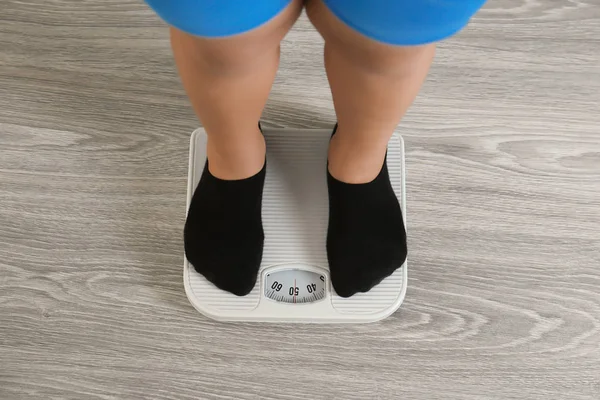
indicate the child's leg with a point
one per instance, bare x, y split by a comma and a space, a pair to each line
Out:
377, 56
227, 52
374, 77
228, 80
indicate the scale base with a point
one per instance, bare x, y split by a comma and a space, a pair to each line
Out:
295, 216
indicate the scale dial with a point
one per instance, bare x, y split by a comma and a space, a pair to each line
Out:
294, 286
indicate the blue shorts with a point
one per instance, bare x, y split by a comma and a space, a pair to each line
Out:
397, 22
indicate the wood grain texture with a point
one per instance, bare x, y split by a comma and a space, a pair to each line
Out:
503, 211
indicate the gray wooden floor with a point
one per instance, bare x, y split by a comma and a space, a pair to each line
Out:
503, 209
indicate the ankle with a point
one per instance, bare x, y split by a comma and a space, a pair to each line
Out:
355, 160
236, 158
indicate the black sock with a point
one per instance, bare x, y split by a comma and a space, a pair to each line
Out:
223, 233
366, 239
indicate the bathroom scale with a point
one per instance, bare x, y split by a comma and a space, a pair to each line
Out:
293, 283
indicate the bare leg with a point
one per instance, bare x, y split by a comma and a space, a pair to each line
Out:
373, 85
228, 81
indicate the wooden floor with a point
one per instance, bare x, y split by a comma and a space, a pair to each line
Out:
503, 157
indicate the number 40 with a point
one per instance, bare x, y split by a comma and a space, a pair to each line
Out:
311, 288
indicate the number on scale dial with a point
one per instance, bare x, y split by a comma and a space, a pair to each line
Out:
295, 286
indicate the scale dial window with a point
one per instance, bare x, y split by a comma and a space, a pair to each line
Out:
294, 286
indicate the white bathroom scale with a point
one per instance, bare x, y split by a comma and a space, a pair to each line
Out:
293, 282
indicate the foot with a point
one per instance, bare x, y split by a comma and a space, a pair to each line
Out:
223, 233
366, 239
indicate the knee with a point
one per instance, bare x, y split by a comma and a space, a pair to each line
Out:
362, 51
381, 59
241, 51
222, 55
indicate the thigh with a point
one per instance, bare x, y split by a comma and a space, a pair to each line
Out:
217, 18
405, 22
